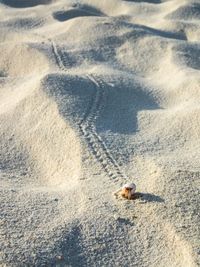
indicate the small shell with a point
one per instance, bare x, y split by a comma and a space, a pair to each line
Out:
130, 186
127, 191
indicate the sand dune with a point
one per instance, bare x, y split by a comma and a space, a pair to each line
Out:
94, 94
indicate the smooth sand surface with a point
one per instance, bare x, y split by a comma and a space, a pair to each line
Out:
95, 94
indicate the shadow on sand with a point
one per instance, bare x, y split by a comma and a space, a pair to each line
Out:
148, 197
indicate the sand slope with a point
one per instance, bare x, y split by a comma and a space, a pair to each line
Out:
94, 94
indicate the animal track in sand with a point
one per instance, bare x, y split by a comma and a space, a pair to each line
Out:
88, 129
26, 3
87, 126
82, 11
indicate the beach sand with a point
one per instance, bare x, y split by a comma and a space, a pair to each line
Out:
95, 94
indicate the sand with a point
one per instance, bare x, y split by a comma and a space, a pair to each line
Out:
95, 94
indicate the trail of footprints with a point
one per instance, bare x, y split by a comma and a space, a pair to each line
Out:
87, 126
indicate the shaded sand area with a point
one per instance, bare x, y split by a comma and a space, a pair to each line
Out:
94, 94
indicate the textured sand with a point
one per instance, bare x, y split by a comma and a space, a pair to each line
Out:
94, 94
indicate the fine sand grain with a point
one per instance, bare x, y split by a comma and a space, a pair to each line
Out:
95, 94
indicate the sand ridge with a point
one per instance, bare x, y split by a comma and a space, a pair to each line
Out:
94, 94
